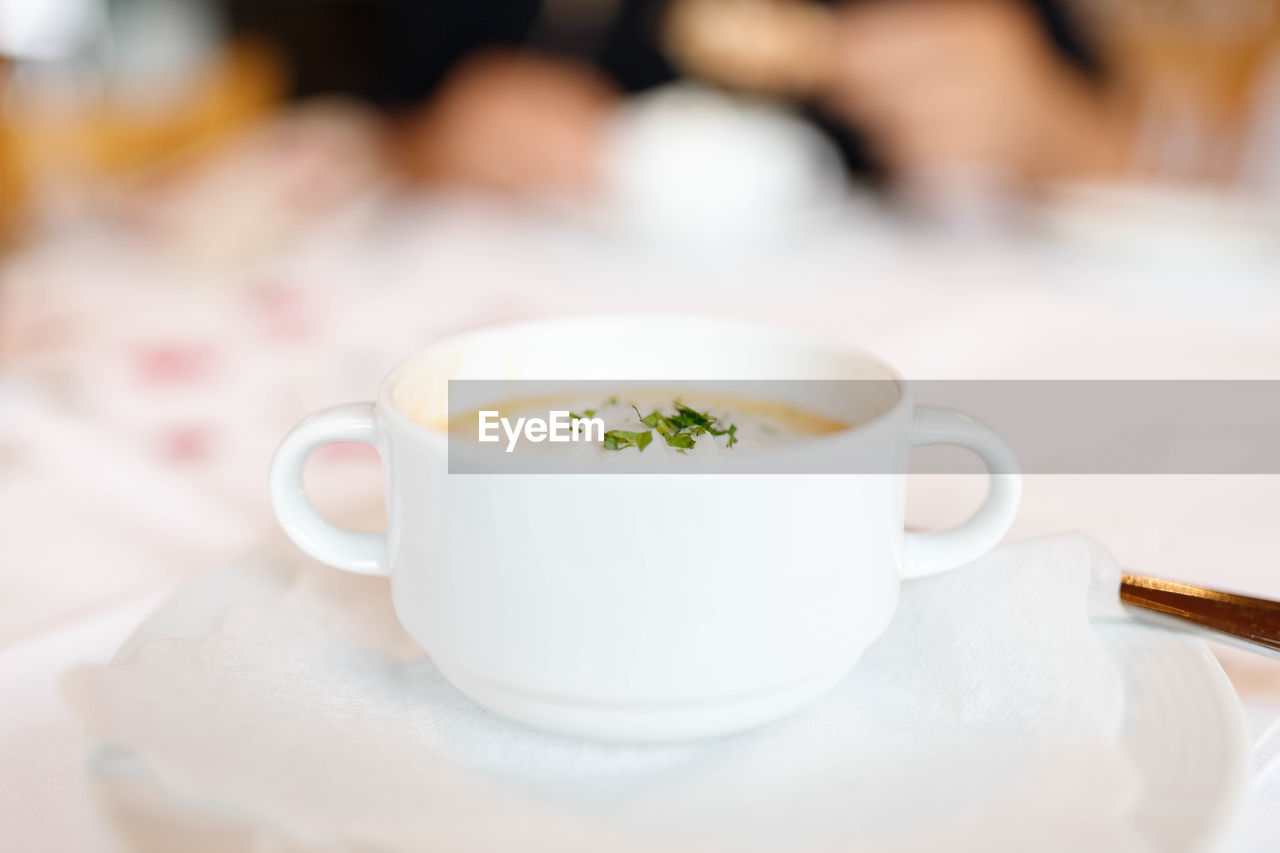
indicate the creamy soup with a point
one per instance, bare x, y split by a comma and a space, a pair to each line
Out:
639, 424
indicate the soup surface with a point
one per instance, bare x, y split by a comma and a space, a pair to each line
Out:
641, 423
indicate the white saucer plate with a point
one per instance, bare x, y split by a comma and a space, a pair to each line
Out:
1183, 727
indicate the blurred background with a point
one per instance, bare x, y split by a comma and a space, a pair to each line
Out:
99, 89
219, 215
106, 100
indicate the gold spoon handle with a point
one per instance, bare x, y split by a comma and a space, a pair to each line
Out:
1251, 623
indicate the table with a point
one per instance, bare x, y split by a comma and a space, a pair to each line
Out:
144, 387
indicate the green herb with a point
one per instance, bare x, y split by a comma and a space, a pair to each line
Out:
691, 419
616, 439
591, 413
655, 420
679, 429
680, 439
733, 439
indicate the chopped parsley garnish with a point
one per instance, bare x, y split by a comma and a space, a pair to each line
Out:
655, 420
680, 439
695, 421
616, 439
679, 429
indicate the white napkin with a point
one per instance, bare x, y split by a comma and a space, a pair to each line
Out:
1261, 830
986, 718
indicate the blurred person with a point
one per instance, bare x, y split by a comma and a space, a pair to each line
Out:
512, 122
938, 84
513, 95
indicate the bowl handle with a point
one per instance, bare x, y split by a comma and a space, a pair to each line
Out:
930, 553
363, 553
